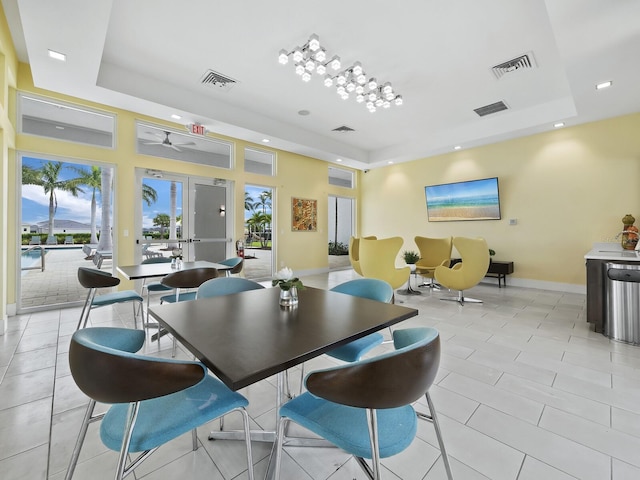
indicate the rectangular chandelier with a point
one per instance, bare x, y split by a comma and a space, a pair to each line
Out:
313, 58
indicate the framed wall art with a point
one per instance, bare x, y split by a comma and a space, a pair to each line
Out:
470, 200
304, 215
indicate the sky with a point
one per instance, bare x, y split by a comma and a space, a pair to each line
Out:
35, 203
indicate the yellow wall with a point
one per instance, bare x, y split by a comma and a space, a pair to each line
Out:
567, 189
8, 74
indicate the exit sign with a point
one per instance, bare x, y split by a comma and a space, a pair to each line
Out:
197, 129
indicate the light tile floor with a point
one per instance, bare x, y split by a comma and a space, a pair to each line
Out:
525, 391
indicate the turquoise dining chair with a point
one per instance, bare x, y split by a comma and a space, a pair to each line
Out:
370, 288
93, 280
189, 279
226, 286
365, 407
236, 264
153, 400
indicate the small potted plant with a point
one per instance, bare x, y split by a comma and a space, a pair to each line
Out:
410, 258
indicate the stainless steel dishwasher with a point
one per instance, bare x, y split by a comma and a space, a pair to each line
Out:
623, 302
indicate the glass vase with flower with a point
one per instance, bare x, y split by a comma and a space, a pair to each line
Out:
289, 286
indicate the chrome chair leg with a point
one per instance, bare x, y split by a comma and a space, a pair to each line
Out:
461, 299
194, 439
84, 316
436, 426
278, 447
88, 418
126, 441
373, 437
247, 435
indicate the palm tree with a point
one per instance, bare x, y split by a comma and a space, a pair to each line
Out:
249, 202
256, 223
172, 214
264, 200
161, 220
92, 179
149, 194
47, 177
106, 242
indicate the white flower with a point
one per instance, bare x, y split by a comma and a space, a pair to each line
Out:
285, 274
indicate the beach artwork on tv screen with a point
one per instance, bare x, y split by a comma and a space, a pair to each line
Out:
470, 200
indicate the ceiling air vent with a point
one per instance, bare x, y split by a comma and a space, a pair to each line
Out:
525, 61
215, 79
343, 128
489, 109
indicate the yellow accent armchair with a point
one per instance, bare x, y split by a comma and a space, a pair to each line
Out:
354, 254
378, 260
434, 252
468, 273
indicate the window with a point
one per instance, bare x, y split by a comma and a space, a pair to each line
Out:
258, 161
166, 143
62, 121
340, 177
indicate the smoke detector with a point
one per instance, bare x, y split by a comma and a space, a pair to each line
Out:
523, 62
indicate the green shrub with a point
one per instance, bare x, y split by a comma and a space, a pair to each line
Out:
338, 248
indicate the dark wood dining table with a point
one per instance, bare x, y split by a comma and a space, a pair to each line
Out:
150, 270
246, 337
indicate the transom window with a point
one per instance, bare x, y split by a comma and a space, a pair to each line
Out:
167, 143
340, 177
258, 161
64, 121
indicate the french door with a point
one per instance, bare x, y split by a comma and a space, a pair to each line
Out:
192, 214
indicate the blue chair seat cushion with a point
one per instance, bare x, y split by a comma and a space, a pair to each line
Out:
157, 287
165, 418
353, 351
182, 298
124, 339
116, 297
346, 427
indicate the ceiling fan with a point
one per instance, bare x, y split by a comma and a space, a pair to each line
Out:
168, 143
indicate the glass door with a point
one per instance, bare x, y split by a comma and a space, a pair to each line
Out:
207, 227
189, 213
259, 241
66, 218
161, 216
340, 229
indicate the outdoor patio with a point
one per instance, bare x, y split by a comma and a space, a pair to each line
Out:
58, 284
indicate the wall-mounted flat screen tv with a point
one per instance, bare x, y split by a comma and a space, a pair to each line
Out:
470, 200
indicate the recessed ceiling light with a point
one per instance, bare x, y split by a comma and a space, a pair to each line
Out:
265, 140
59, 127
176, 116
304, 113
338, 159
602, 85
57, 55
390, 162
457, 147
558, 125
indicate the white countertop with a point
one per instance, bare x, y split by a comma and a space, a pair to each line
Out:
612, 251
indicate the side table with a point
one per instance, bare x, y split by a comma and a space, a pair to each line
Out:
497, 269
